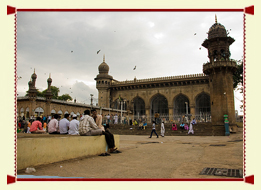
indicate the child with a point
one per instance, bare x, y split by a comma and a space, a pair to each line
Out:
154, 129
162, 129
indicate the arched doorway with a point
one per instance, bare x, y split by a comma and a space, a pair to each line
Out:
138, 107
181, 108
203, 108
159, 108
39, 111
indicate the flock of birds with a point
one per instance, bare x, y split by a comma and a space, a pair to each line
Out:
19, 77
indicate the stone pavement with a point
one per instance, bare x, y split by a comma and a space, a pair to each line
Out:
163, 157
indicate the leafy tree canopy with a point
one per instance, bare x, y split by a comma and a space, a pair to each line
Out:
238, 75
65, 97
55, 91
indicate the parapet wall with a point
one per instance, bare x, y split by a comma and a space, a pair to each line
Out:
159, 79
38, 149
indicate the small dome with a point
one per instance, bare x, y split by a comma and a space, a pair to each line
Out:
34, 76
217, 30
103, 68
30, 83
49, 80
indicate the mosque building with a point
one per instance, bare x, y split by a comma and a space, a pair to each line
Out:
207, 96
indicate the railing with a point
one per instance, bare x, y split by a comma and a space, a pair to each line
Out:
166, 118
159, 79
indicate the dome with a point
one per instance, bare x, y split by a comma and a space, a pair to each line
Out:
103, 68
34, 76
49, 80
217, 30
30, 83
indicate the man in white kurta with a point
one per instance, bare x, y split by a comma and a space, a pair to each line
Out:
162, 129
74, 126
191, 128
116, 119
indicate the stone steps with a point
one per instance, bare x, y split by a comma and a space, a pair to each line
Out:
201, 129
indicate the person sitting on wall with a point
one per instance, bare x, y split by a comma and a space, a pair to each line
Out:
174, 127
186, 127
53, 127
74, 126
64, 124
88, 127
36, 126
182, 126
108, 135
144, 125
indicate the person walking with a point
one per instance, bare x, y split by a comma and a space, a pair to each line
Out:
153, 129
162, 131
191, 128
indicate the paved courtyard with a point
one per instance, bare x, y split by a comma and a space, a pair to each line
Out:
163, 157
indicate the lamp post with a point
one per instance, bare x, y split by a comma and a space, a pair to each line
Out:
186, 111
91, 99
121, 111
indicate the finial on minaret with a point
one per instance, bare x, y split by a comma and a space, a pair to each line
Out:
103, 58
49, 75
215, 18
34, 70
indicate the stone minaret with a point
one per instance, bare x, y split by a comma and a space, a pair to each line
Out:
220, 69
32, 92
49, 94
103, 82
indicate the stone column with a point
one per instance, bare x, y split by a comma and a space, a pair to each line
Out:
147, 111
192, 110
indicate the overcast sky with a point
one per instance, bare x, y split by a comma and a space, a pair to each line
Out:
158, 43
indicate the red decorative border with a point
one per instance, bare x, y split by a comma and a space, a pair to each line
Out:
248, 10
15, 91
244, 92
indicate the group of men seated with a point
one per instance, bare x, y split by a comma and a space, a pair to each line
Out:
87, 126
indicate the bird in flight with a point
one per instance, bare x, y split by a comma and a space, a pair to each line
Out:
200, 48
98, 51
134, 68
71, 51
195, 34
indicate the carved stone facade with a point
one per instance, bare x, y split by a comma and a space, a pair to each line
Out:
209, 93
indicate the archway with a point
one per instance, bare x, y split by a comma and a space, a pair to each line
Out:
203, 108
159, 108
39, 111
138, 107
181, 107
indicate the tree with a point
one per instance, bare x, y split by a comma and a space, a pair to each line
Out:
238, 78
55, 90
238, 75
65, 97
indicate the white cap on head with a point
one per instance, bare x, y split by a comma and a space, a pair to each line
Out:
74, 115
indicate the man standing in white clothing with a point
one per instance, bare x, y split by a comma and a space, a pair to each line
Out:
64, 124
74, 126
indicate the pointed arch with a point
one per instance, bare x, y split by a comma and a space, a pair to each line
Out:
116, 104
159, 104
180, 105
203, 104
139, 106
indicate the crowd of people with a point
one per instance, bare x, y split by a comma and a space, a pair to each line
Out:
183, 127
90, 124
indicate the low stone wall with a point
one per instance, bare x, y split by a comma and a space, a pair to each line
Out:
38, 149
